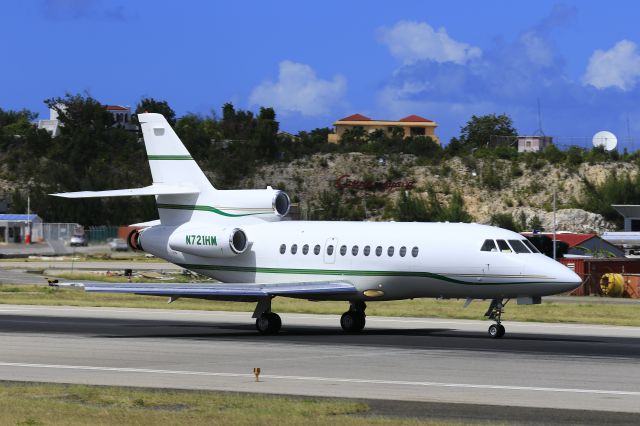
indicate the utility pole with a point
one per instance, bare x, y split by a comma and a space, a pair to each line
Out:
554, 224
27, 237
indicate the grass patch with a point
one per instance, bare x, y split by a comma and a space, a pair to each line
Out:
588, 313
87, 276
54, 404
35, 404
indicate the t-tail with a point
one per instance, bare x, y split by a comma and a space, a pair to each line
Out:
183, 192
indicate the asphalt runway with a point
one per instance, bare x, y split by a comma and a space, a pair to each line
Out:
536, 365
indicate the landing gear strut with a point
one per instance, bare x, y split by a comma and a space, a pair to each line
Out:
496, 308
353, 320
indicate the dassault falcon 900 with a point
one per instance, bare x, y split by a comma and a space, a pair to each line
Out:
239, 237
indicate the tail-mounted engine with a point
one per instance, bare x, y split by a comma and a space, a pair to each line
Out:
209, 241
248, 202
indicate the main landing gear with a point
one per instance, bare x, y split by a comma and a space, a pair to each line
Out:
267, 322
353, 320
496, 308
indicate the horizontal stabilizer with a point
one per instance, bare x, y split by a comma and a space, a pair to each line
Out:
307, 289
146, 224
155, 189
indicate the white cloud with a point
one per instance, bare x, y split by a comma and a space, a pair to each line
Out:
537, 49
298, 89
617, 67
416, 41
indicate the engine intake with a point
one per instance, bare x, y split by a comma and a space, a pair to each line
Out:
281, 203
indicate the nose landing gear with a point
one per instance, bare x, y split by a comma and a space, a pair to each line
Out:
496, 308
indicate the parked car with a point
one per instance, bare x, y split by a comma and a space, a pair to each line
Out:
118, 244
78, 241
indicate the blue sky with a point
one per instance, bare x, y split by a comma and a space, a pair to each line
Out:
317, 62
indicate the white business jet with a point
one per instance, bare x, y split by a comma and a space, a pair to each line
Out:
241, 238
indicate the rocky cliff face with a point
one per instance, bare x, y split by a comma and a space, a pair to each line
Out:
487, 187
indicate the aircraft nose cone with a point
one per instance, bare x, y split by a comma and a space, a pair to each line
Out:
567, 279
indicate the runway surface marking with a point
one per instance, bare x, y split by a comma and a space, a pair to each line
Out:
323, 379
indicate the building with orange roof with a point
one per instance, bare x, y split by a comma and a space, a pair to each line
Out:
412, 125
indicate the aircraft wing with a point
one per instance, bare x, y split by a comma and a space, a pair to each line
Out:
155, 189
224, 290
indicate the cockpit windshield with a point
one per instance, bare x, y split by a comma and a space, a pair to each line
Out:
503, 246
518, 246
512, 246
489, 245
529, 244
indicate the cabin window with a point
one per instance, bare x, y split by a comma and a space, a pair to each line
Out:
366, 250
329, 250
343, 250
283, 248
354, 250
489, 245
403, 251
529, 244
414, 252
379, 251
390, 251
316, 249
518, 246
294, 249
305, 249
504, 247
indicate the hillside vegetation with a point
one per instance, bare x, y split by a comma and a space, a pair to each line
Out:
478, 176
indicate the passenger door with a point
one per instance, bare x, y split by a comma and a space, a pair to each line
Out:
330, 249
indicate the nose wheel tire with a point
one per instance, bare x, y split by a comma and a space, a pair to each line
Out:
268, 323
496, 331
352, 321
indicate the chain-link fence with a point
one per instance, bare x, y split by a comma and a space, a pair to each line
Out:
100, 234
59, 231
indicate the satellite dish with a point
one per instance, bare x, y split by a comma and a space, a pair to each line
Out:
606, 140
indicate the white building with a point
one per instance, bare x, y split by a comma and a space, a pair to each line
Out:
15, 227
533, 143
121, 117
52, 125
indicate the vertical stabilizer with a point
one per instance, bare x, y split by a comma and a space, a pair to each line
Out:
171, 164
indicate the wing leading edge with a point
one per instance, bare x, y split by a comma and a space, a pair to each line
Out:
305, 289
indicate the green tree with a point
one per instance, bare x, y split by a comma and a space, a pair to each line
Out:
536, 224
455, 211
615, 189
479, 131
266, 134
490, 177
14, 123
237, 125
159, 107
553, 154
80, 114
504, 220
196, 133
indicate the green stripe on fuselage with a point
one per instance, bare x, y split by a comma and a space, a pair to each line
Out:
346, 272
210, 209
169, 157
